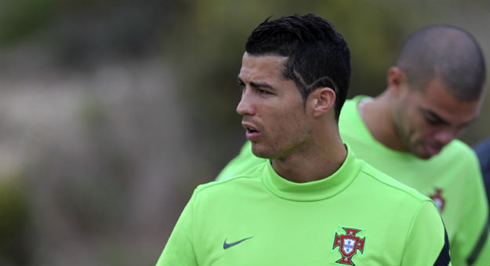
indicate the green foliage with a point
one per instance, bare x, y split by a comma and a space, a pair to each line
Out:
14, 221
22, 18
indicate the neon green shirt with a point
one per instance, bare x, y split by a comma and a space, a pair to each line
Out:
357, 216
452, 179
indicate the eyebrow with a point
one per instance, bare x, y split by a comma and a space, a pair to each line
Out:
240, 81
443, 121
256, 84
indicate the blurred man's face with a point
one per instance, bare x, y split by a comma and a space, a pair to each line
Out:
427, 120
272, 108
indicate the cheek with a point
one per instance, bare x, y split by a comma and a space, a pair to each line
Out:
423, 131
401, 121
291, 120
299, 124
413, 122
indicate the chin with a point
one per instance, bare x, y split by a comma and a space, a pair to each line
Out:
422, 155
261, 154
258, 152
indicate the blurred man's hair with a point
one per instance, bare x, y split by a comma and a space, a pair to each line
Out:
445, 52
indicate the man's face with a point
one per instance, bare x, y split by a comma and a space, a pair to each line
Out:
427, 120
273, 112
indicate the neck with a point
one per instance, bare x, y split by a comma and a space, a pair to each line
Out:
317, 161
377, 116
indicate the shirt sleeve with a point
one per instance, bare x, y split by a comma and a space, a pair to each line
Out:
179, 249
471, 242
481, 251
427, 242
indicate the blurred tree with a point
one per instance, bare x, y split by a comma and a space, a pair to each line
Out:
109, 178
19, 19
15, 247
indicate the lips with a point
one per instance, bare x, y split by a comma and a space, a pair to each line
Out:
252, 133
433, 149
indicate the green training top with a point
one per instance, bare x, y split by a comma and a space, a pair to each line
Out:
357, 216
452, 179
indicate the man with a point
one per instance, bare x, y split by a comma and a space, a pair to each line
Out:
434, 91
482, 150
314, 203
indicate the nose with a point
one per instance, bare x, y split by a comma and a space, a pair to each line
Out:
245, 106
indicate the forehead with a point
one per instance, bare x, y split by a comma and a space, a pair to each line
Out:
262, 67
435, 98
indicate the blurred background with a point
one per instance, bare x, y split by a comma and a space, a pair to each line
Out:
112, 112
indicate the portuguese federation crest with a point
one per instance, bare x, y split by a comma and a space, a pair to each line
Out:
438, 199
348, 245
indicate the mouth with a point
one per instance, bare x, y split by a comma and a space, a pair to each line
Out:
251, 129
433, 149
252, 133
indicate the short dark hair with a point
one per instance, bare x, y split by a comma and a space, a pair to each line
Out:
448, 52
317, 55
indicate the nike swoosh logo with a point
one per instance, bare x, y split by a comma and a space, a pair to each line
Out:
229, 245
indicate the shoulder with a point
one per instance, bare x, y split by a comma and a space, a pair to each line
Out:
457, 146
349, 115
394, 200
350, 105
388, 187
458, 152
229, 186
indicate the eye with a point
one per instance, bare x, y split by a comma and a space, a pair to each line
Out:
432, 121
260, 91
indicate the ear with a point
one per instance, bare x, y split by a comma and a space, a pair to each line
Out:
396, 80
322, 100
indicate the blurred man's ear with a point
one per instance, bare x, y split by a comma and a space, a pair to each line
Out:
396, 80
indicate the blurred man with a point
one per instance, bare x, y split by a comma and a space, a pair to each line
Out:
482, 150
434, 92
314, 203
